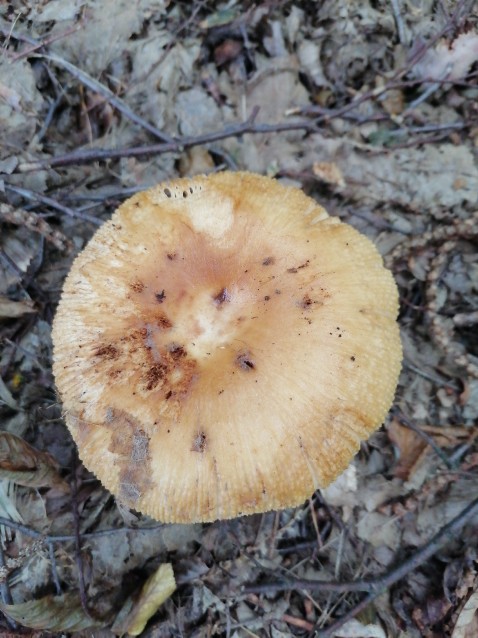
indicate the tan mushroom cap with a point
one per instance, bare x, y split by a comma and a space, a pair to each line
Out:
222, 346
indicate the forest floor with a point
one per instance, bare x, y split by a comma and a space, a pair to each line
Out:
372, 109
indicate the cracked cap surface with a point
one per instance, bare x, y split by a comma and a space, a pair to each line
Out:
222, 346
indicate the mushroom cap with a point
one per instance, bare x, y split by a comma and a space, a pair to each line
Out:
222, 346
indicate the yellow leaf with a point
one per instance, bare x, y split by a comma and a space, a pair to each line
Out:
155, 591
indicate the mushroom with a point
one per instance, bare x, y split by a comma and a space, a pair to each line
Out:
222, 346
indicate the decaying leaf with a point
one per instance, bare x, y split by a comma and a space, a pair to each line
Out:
6, 396
10, 309
51, 613
18, 561
32, 221
356, 629
467, 622
420, 178
133, 617
450, 61
24, 465
411, 449
20, 102
10, 96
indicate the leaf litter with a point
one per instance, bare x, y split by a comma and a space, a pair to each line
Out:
371, 108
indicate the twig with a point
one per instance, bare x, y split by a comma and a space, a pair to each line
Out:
110, 97
54, 572
35, 45
96, 154
10, 33
34, 222
378, 585
397, 14
49, 117
86, 80
442, 328
431, 377
5, 590
301, 623
426, 437
396, 81
248, 126
429, 128
68, 538
424, 96
78, 554
37, 197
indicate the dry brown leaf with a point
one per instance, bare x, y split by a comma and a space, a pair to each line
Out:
329, 173
24, 465
450, 436
411, 448
51, 613
419, 178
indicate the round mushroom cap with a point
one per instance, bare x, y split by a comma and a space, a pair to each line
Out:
222, 346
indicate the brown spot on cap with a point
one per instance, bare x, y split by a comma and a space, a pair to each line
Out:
176, 351
268, 261
163, 322
244, 361
222, 296
199, 443
107, 352
307, 302
154, 375
137, 286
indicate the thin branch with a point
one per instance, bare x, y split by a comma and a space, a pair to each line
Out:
38, 44
69, 538
37, 197
110, 97
85, 79
429, 128
179, 144
98, 154
397, 13
78, 548
54, 572
396, 81
5, 590
378, 585
236, 130
429, 440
